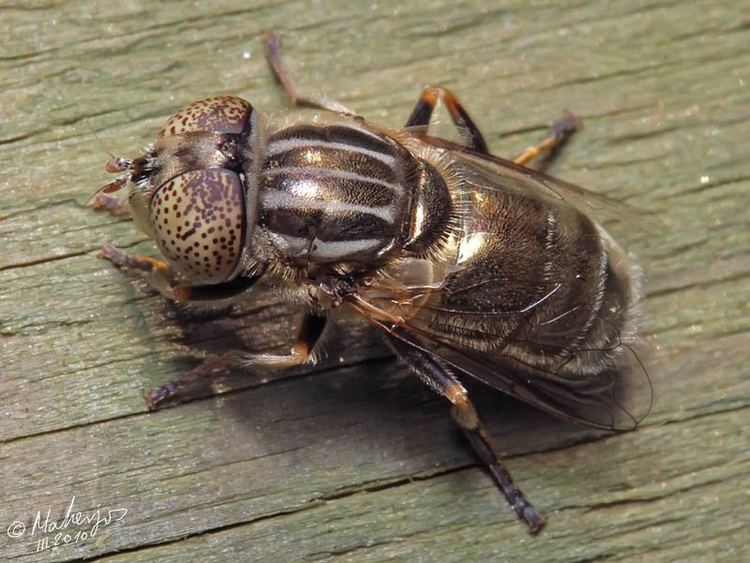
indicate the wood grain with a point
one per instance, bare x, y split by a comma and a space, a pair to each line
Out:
354, 460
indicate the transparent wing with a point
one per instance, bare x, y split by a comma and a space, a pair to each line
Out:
528, 295
615, 398
486, 169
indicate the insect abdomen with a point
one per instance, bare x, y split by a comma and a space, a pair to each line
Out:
538, 285
335, 194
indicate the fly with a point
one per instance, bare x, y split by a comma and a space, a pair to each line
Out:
472, 266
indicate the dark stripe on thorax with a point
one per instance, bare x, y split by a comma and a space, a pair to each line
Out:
343, 134
330, 226
300, 153
347, 164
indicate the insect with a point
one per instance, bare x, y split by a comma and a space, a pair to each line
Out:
471, 265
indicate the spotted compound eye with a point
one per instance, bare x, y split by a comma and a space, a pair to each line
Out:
222, 114
199, 223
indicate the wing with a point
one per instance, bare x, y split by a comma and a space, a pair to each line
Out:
494, 170
616, 398
528, 297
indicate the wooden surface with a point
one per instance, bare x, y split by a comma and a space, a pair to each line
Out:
354, 460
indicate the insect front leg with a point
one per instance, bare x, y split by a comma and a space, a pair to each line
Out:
158, 275
439, 378
559, 134
155, 272
113, 204
430, 98
272, 43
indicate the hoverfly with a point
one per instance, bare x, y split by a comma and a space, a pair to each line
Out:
471, 265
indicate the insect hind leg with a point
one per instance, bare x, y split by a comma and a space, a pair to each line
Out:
439, 379
429, 99
551, 145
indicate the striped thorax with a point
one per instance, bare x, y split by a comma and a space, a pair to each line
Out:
334, 193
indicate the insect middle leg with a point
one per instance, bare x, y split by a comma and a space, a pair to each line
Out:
309, 334
430, 98
438, 378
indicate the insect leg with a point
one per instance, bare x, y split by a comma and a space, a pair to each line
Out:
272, 43
167, 390
114, 205
439, 378
158, 275
429, 99
155, 272
558, 135
309, 333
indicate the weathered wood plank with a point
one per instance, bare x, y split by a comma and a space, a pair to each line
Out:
634, 512
355, 460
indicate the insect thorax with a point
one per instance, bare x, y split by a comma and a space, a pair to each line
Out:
345, 197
